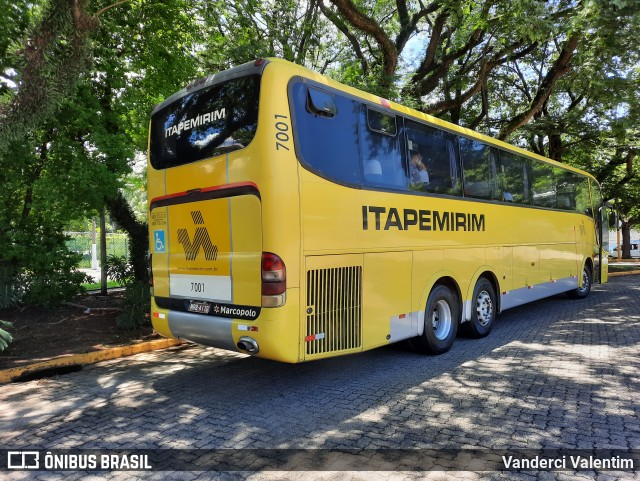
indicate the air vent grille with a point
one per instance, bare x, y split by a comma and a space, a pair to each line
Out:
334, 309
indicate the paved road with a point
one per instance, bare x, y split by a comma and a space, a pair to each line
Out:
558, 373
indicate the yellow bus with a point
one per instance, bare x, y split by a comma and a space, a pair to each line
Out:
295, 218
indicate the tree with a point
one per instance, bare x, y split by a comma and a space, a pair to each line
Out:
244, 30
138, 61
458, 47
37, 158
47, 65
59, 167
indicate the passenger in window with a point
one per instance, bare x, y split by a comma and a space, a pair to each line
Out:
417, 170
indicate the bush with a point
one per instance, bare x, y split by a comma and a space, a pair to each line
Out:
137, 305
52, 279
120, 270
36, 268
49, 289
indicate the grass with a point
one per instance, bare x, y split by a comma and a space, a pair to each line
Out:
92, 286
615, 268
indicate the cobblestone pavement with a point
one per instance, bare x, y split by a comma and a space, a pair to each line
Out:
558, 373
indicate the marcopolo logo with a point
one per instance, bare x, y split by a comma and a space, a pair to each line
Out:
236, 312
200, 240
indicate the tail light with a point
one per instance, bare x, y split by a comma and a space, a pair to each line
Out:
274, 280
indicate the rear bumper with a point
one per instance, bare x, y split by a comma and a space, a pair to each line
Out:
206, 330
276, 331
202, 329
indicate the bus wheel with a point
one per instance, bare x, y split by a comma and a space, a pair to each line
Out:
582, 292
483, 310
440, 322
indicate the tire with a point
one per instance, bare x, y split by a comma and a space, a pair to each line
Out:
483, 311
587, 281
440, 322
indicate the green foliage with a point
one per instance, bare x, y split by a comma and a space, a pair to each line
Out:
48, 276
89, 120
137, 304
41, 270
135, 189
36, 266
143, 52
351, 74
14, 21
120, 270
47, 67
238, 32
5, 337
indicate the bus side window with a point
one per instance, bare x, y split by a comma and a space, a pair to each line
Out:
325, 143
583, 203
439, 155
380, 149
479, 169
543, 185
566, 190
596, 198
514, 178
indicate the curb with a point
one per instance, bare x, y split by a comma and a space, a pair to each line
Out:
621, 274
8, 375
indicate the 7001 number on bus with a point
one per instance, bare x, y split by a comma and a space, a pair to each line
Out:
282, 132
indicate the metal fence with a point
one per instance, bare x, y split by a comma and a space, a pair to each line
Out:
83, 243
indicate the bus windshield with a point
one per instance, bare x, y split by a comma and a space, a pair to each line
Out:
207, 122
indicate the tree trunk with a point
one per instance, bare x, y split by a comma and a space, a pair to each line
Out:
122, 214
626, 240
555, 146
103, 253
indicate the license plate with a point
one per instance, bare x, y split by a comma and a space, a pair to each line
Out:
199, 307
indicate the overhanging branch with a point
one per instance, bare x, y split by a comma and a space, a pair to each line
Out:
369, 26
559, 69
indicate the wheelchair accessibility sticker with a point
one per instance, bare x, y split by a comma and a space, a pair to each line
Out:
160, 246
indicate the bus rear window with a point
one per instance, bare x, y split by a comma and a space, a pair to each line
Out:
205, 123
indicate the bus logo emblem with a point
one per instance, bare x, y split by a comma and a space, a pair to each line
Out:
201, 239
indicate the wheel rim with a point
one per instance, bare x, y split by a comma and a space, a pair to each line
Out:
585, 281
441, 320
484, 308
